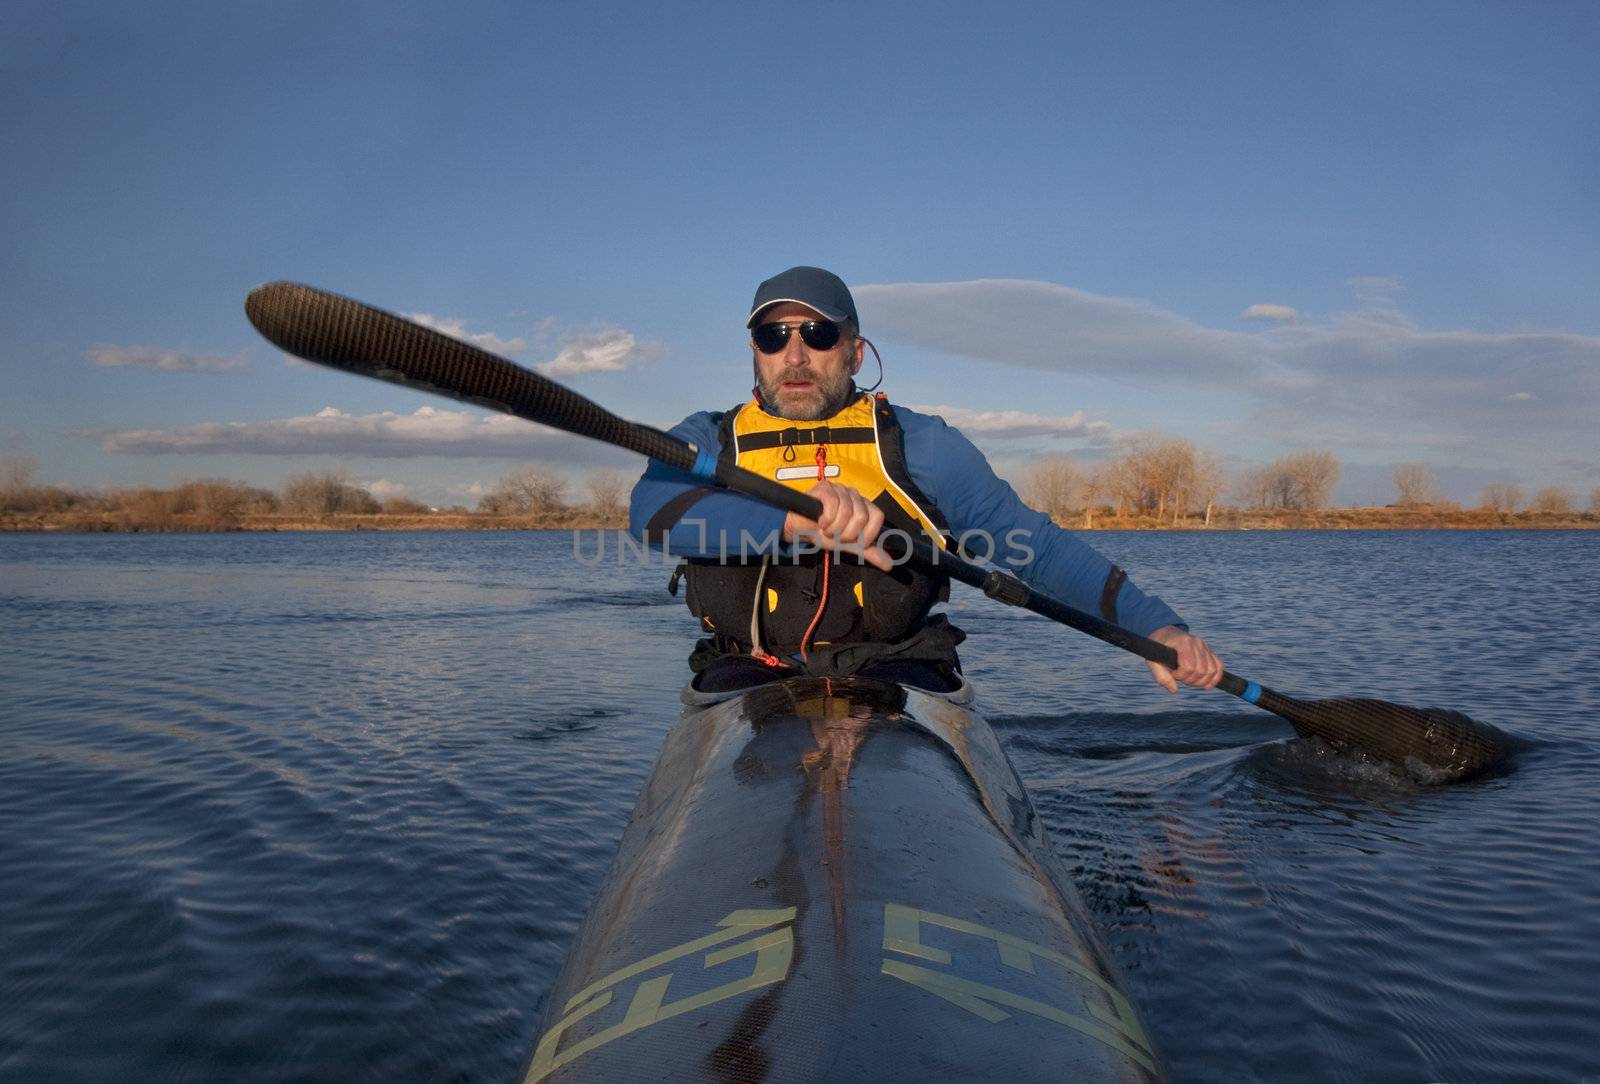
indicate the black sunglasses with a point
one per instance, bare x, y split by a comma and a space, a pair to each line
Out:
817, 334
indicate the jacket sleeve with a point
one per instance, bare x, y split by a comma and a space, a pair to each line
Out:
990, 520
689, 517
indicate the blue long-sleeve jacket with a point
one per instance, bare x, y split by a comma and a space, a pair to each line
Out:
951, 472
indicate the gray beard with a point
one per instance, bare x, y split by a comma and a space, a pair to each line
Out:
833, 400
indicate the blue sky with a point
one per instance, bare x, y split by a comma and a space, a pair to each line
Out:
1266, 228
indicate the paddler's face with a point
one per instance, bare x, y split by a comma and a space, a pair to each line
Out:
800, 383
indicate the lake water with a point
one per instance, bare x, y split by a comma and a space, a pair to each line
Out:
330, 806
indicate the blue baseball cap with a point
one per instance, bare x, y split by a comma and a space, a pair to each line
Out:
810, 286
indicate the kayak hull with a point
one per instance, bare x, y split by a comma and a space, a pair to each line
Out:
836, 880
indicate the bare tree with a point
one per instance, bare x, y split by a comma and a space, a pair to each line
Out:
1051, 486
324, 494
1315, 474
1210, 478
221, 498
312, 494
1158, 476
1140, 474
1119, 481
1414, 482
1555, 500
1502, 496
1271, 486
1301, 481
530, 491
1153, 475
1092, 487
1171, 464
1253, 488
606, 489
1594, 502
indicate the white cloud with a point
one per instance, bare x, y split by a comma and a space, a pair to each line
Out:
1277, 314
608, 351
456, 329
1004, 424
106, 356
429, 431
1390, 380
1043, 325
1366, 380
611, 350
383, 489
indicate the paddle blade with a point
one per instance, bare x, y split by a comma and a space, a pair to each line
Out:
1435, 744
344, 334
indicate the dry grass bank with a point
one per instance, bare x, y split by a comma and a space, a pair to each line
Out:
1349, 519
112, 521
1227, 519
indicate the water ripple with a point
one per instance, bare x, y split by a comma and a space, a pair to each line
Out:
331, 807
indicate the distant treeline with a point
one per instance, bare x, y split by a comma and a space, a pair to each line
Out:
532, 497
1157, 481
1154, 483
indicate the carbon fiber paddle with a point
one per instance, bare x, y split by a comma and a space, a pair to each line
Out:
344, 334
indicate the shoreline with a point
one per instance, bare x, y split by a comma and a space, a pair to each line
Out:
1347, 519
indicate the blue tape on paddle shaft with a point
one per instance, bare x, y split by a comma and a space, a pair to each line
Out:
705, 465
1252, 693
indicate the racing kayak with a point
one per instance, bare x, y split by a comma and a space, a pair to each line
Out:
836, 880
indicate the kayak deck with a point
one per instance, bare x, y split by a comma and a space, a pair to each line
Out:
836, 880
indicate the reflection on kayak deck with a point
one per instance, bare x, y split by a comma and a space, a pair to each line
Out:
836, 880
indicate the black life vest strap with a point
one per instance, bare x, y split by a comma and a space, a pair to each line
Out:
668, 515
892, 448
727, 452
822, 434
1108, 593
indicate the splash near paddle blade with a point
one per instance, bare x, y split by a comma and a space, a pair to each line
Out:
1439, 745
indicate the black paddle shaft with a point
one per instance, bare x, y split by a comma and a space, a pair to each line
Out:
919, 552
1446, 745
345, 334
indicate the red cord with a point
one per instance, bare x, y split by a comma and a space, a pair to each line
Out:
822, 604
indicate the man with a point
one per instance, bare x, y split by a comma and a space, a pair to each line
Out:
781, 594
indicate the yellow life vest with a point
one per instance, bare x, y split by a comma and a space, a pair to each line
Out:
852, 447
767, 605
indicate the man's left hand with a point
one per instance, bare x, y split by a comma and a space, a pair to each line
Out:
1197, 664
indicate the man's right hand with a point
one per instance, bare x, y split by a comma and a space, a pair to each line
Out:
849, 523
